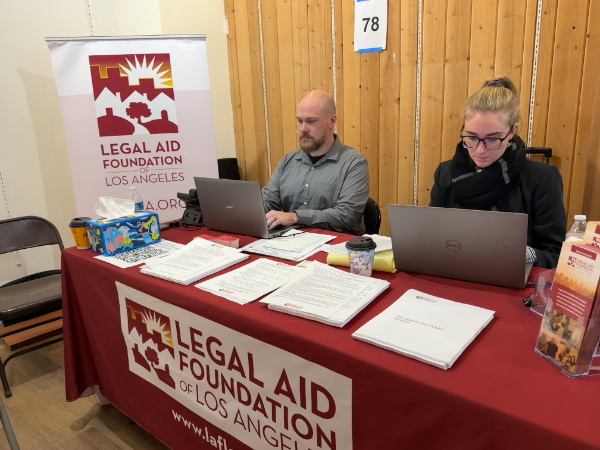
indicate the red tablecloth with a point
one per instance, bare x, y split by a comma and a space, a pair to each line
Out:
499, 394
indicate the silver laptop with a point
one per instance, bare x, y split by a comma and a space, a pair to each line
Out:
481, 246
234, 206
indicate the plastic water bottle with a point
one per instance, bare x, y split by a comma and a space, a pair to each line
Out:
137, 198
578, 227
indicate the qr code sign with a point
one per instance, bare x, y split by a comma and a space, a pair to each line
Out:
140, 254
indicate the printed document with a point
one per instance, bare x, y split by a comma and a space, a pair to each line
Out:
198, 259
250, 282
146, 254
294, 245
325, 294
428, 328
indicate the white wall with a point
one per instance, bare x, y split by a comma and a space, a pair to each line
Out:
34, 167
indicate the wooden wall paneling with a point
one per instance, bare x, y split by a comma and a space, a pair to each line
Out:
286, 75
257, 92
327, 24
409, 23
456, 76
247, 83
234, 77
590, 84
483, 43
301, 52
591, 205
565, 87
527, 72
304, 48
544, 72
433, 55
297, 52
316, 44
272, 86
389, 99
351, 79
369, 118
339, 64
509, 40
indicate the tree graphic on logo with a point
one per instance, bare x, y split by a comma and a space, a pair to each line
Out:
129, 88
137, 110
152, 356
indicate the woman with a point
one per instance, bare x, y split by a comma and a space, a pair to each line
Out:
489, 171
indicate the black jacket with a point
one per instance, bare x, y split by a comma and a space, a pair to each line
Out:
538, 193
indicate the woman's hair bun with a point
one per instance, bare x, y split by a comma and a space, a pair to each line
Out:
496, 82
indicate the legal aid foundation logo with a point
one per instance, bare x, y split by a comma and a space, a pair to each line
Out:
151, 343
133, 94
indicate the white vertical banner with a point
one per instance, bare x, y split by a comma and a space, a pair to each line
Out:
136, 112
370, 25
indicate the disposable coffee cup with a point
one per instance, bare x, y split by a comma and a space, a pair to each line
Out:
361, 251
79, 230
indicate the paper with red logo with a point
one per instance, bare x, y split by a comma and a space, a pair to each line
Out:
137, 112
194, 261
427, 328
255, 392
250, 282
569, 332
325, 294
592, 234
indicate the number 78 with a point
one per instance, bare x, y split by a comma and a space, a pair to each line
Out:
374, 23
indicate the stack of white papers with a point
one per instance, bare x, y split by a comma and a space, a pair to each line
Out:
194, 261
294, 245
140, 255
383, 243
431, 329
250, 282
325, 294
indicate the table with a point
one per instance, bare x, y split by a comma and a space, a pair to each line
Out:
499, 394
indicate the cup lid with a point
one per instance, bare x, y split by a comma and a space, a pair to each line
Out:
361, 243
79, 222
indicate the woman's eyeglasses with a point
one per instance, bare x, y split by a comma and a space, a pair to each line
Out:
491, 143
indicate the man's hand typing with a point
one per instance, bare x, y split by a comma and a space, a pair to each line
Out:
275, 218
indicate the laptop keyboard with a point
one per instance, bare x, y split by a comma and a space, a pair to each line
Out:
278, 231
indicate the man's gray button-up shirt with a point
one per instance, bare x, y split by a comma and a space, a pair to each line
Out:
332, 194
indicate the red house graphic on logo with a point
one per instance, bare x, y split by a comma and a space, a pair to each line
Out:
133, 94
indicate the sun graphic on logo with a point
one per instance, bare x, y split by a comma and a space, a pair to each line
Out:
139, 70
153, 324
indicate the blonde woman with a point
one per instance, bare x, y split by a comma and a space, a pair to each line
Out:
489, 171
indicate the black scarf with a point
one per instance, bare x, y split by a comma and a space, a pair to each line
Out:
476, 188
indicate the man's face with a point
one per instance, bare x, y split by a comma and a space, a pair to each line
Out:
313, 126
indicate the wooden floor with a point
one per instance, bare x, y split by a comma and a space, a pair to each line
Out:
42, 418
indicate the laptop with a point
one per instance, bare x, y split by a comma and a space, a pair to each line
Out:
234, 206
481, 246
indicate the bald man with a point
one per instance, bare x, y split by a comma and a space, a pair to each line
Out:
323, 184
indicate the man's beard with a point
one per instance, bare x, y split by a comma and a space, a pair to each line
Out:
312, 145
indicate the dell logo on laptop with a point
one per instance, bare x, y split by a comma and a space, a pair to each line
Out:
453, 246
228, 206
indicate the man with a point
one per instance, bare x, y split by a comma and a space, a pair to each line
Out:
324, 184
